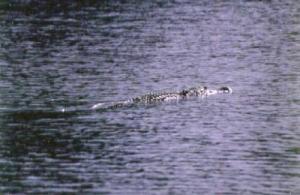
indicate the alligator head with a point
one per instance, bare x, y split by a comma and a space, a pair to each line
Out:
204, 91
195, 91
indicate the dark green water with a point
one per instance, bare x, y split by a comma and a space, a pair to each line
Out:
72, 55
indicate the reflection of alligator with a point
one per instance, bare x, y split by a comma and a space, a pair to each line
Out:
152, 97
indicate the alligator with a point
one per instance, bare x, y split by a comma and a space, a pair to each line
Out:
165, 96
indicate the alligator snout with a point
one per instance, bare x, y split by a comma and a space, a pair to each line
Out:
225, 90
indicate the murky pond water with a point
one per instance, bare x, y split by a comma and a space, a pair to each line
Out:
56, 56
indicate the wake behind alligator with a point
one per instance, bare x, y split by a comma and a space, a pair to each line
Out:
165, 96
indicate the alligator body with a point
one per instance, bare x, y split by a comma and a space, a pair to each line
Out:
166, 96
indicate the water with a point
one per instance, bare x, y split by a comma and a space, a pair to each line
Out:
56, 56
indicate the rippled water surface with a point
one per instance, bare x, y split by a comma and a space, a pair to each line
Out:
58, 56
